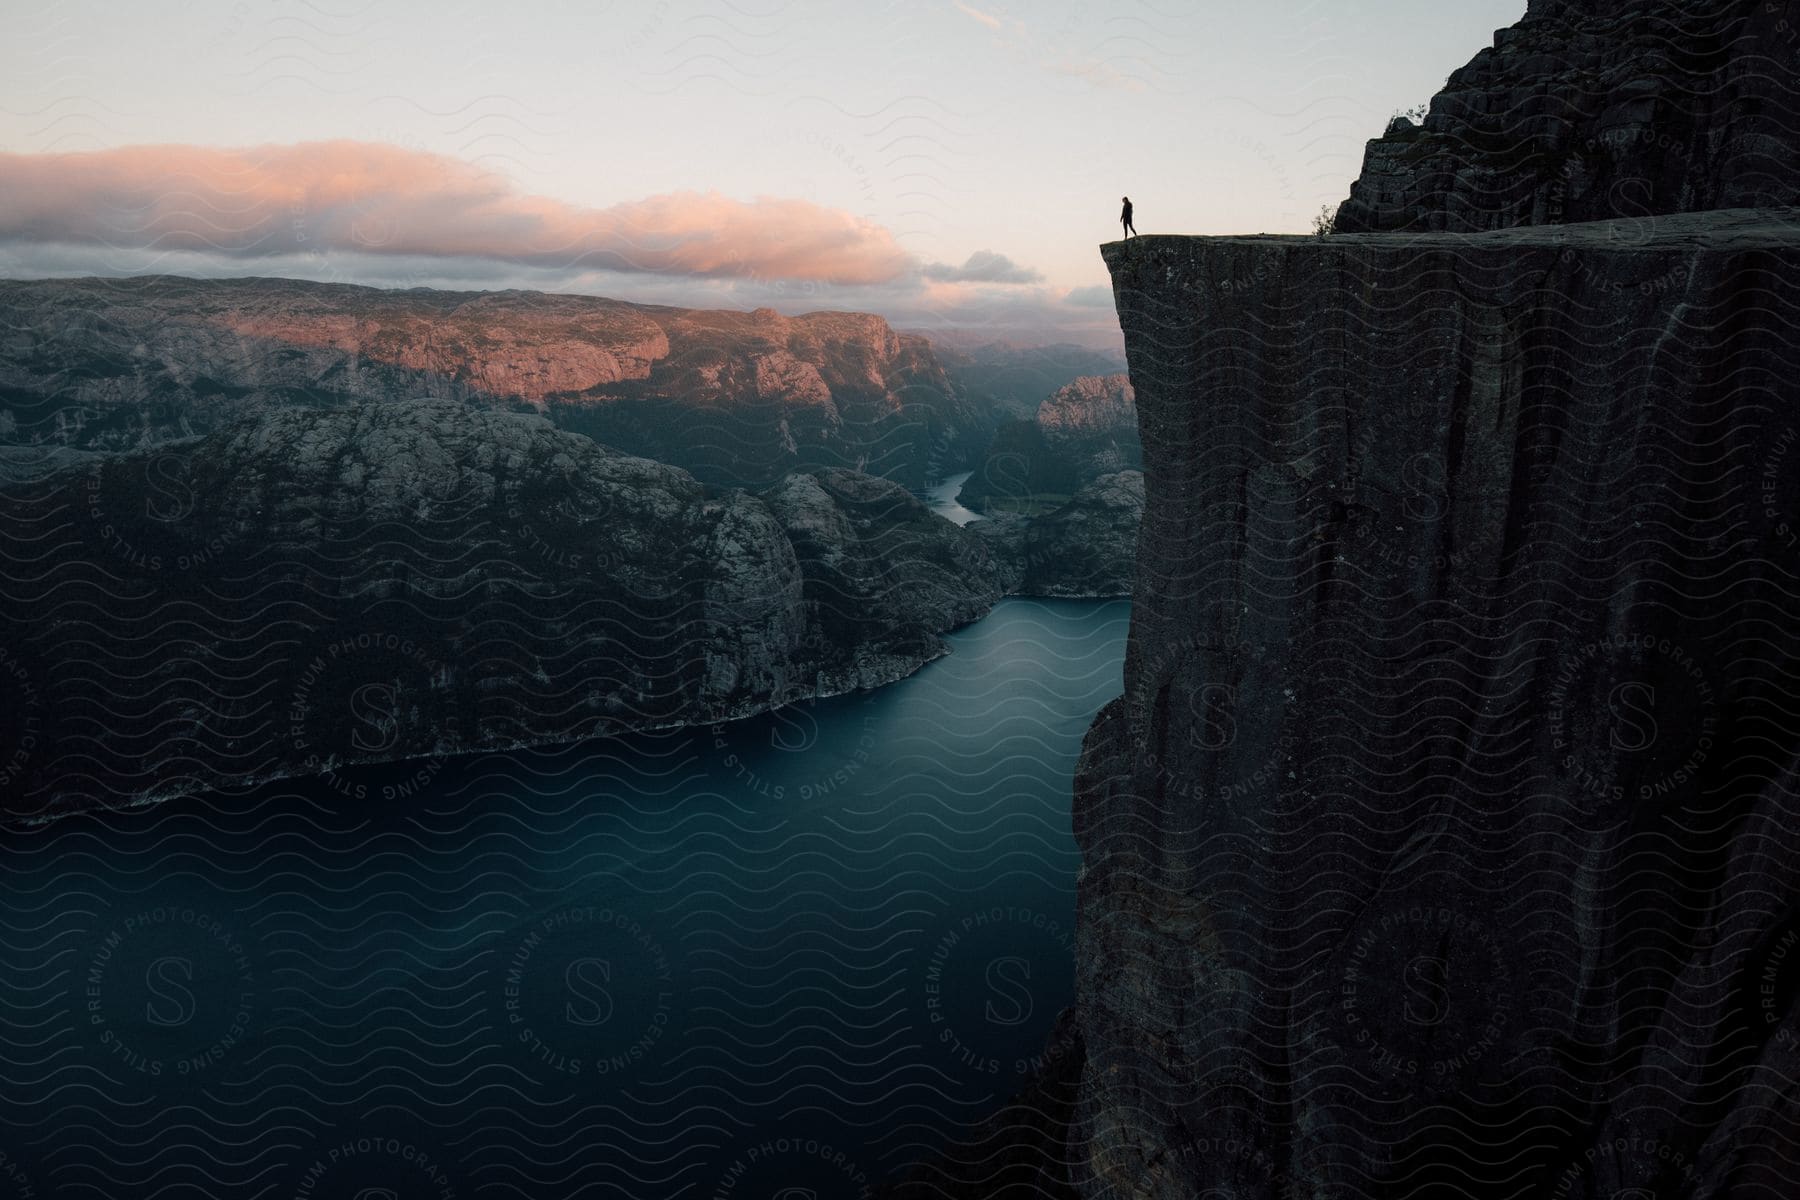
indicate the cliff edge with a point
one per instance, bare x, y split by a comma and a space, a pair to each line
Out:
1444, 841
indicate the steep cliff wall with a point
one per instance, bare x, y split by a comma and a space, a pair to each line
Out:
1446, 840
413, 578
1594, 109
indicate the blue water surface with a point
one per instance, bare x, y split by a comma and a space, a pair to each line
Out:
787, 953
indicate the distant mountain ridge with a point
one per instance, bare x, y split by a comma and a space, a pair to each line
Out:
1012, 381
737, 398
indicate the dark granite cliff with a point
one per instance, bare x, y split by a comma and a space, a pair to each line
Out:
1447, 839
412, 578
1594, 109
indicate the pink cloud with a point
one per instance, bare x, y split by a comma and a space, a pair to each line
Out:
386, 200
988, 19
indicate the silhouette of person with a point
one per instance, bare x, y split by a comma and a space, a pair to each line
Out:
1125, 217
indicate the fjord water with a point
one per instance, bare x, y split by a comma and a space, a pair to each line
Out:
787, 953
940, 497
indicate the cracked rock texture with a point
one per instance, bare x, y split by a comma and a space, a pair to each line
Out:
1594, 109
1085, 548
1446, 841
1084, 430
396, 579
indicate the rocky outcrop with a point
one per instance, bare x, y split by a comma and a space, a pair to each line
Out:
1086, 548
1446, 840
401, 579
1084, 430
1010, 382
737, 398
1092, 408
1093, 422
1595, 109
1019, 473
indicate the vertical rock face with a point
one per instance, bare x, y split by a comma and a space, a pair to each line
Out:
1594, 109
1447, 840
405, 579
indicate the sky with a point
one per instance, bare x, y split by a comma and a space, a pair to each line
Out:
950, 164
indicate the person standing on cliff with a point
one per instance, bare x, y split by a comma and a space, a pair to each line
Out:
1125, 217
